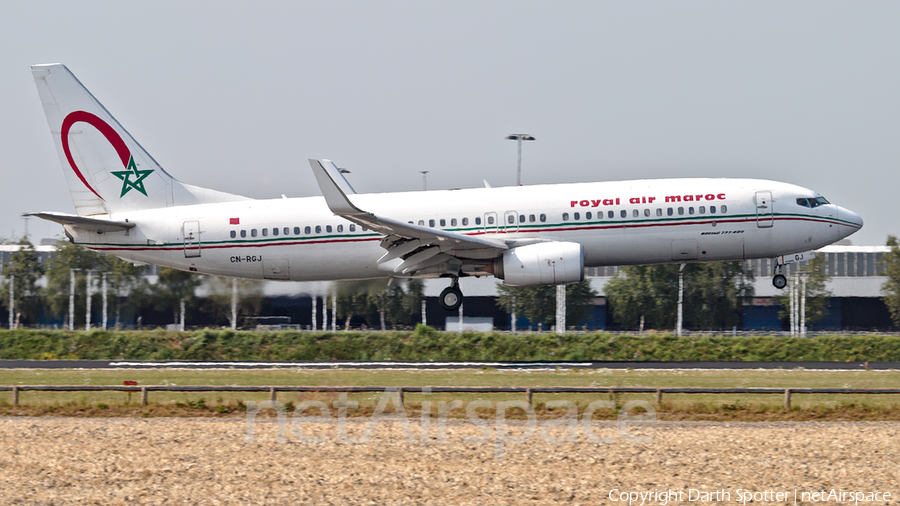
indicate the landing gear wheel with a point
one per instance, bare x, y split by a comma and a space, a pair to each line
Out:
451, 298
779, 281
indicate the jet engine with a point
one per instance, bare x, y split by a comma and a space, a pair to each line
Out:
544, 263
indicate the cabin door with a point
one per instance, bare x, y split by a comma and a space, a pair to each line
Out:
765, 216
191, 230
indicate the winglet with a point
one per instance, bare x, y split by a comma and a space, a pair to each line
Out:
334, 188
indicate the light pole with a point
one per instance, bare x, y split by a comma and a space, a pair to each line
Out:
424, 180
519, 138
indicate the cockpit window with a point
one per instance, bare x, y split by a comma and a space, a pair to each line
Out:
812, 202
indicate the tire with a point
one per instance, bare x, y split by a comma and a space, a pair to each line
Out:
779, 281
451, 298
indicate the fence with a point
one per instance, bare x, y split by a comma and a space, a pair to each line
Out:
528, 391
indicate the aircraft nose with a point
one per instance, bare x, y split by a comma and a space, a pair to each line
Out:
850, 221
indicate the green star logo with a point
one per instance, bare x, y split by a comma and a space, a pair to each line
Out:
127, 183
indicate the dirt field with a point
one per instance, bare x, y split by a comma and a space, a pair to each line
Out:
210, 461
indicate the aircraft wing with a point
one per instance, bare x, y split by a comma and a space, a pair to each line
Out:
419, 247
83, 222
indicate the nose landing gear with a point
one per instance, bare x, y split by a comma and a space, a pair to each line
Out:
778, 280
451, 298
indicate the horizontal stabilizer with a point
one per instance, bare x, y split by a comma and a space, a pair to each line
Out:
89, 224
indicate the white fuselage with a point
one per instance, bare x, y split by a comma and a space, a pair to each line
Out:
617, 223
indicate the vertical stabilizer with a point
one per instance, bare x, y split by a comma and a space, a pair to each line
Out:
106, 169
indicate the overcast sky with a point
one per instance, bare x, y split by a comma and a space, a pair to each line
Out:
237, 95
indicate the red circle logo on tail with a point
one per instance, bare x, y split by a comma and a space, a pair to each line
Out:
111, 135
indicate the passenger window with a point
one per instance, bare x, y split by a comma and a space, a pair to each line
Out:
636, 213
659, 211
577, 216
275, 231
421, 223
623, 213
443, 222
233, 234
724, 209
287, 231
265, 232
306, 230
490, 220
712, 209
521, 218
543, 218
478, 220
646, 212
328, 228
691, 210
431, 223
465, 221
318, 229
587, 215
352, 227
680, 211
243, 233
340, 228
531, 218
702, 209
253, 232
452, 222
669, 211
611, 214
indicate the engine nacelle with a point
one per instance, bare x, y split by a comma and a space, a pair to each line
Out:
544, 263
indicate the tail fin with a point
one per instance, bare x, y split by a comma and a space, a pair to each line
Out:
106, 169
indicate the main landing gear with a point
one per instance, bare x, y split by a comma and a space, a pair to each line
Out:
451, 298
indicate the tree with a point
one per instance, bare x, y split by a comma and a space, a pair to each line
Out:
25, 268
891, 287
356, 299
816, 294
70, 256
175, 289
128, 286
645, 296
538, 303
403, 303
714, 294
372, 301
412, 300
250, 297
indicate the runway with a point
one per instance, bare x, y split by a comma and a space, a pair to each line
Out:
189, 364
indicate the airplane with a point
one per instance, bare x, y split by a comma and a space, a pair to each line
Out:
127, 205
